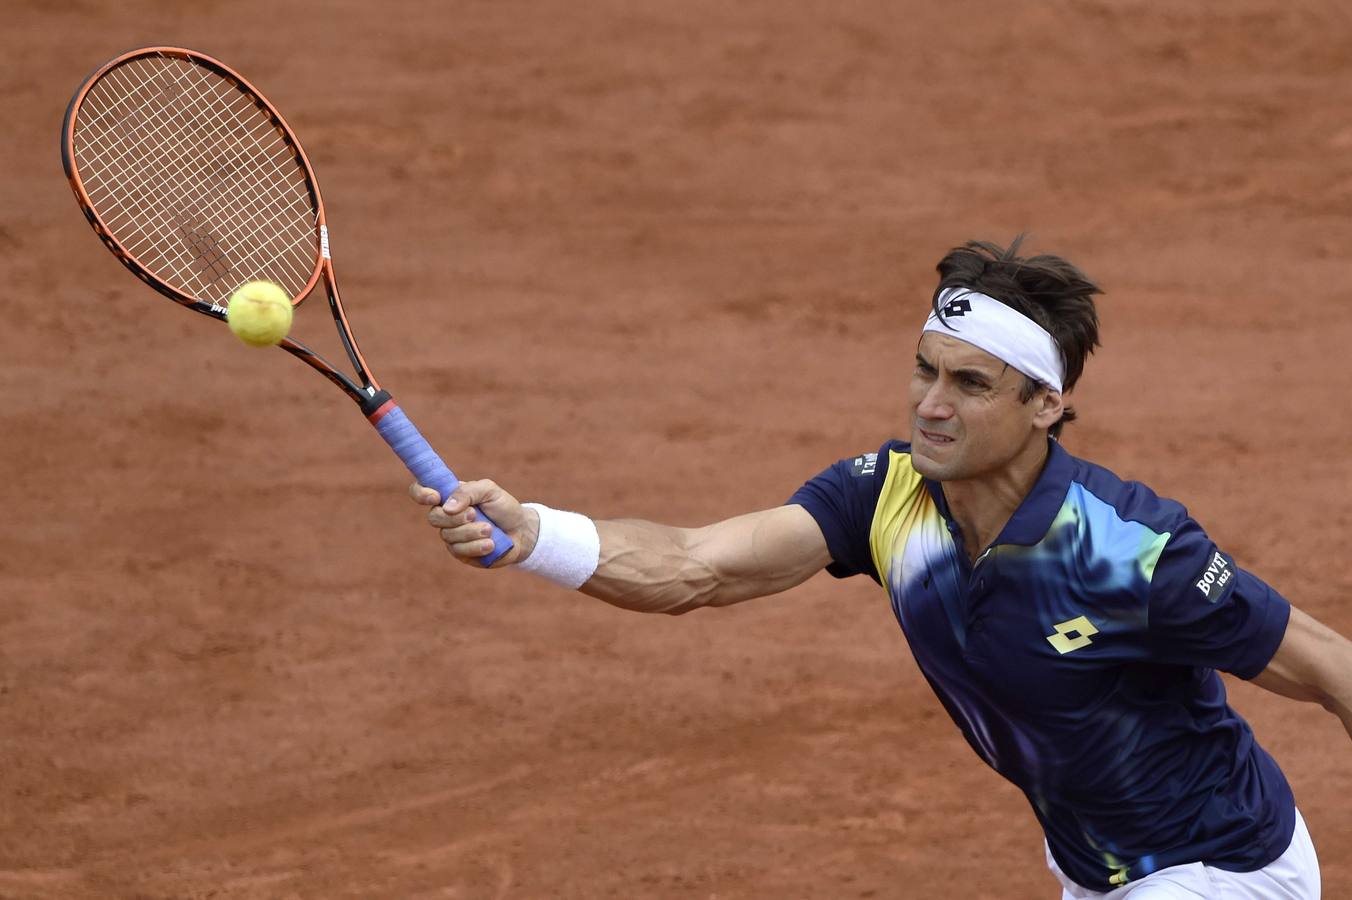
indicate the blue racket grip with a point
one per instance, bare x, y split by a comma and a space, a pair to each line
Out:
406, 441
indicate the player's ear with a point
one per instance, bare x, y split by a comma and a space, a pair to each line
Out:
1050, 406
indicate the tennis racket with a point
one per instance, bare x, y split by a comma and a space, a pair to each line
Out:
196, 183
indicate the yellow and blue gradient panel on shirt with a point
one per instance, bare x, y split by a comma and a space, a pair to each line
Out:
1087, 580
994, 669
910, 543
1121, 739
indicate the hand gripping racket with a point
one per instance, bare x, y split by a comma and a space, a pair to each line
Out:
197, 184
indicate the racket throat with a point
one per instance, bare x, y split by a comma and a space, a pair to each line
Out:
376, 405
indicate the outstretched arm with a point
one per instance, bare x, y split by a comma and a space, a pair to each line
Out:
657, 568
645, 566
1313, 663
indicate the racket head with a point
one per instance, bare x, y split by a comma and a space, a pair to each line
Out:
193, 179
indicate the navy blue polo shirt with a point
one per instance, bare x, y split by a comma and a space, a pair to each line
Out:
1079, 657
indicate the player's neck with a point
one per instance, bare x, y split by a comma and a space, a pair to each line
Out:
982, 506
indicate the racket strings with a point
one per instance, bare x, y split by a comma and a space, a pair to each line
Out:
191, 176
201, 246
170, 152
132, 179
191, 171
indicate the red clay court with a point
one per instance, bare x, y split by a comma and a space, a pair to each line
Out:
638, 259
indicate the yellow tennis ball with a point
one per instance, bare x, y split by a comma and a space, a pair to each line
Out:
259, 313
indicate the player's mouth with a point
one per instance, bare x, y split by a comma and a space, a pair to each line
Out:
935, 437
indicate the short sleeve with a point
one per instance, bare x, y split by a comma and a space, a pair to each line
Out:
1206, 611
842, 499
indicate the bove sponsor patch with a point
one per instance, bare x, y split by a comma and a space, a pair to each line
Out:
1215, 577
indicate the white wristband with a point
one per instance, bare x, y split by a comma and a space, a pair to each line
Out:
567, 550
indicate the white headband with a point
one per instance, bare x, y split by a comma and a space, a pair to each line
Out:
1001, 331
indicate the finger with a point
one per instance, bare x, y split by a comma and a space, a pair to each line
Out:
424, 496
471, 550
438, 517
463, 534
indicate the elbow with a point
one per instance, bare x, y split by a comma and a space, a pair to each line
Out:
1339, 706
1330, 700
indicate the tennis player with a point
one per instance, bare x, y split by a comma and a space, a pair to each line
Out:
1071, 623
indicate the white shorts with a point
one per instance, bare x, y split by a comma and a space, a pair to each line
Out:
1292, 876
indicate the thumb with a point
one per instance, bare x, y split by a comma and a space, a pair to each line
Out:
491, 499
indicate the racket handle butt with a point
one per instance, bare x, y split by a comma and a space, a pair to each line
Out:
410, 446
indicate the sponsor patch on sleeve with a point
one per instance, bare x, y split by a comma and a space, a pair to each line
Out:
864, 465
1216, 577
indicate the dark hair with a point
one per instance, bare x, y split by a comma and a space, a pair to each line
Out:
1047, 289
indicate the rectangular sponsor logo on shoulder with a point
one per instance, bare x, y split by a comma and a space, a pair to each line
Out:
1216, 577
864, 465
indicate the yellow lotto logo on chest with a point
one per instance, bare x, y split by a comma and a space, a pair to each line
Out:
1072, 634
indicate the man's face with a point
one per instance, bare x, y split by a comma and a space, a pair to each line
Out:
966, 417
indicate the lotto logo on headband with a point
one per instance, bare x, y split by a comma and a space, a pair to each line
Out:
1000, 330
956, 309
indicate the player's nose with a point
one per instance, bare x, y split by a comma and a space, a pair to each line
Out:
934, 403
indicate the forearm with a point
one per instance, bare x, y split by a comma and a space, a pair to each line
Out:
1314, 664
1283, 685
647, 567
632, 564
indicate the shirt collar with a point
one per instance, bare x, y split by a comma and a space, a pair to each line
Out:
1034, 516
